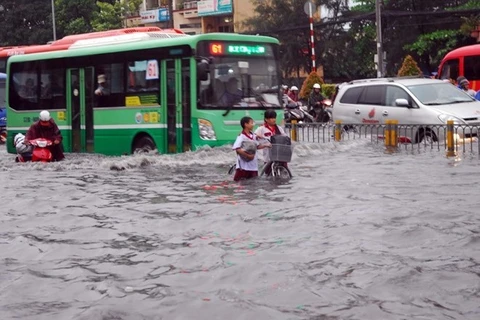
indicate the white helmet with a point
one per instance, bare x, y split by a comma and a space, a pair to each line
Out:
19, 138
316, 86
284, 86
44, 115
294, 88
19, 145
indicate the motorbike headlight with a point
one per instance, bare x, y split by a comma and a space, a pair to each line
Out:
445, 117
206, 130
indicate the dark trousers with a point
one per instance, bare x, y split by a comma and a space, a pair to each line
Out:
57, 152
241, 174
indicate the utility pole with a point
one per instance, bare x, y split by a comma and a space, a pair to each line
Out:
378, 18
309, 9
53, 21
170, 13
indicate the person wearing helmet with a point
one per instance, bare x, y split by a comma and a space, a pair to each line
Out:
22, 149
285, 98
316, 97
293, 94
315, 101
46, 128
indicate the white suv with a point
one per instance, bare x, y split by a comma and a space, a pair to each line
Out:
410, 101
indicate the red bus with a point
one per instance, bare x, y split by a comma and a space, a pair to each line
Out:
65, 42
464, 61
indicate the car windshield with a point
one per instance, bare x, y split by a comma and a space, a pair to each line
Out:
439, 94
241, 82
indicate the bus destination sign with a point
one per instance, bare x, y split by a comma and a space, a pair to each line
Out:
237, 49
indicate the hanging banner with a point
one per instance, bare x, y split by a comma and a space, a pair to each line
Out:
157, 15
214, 7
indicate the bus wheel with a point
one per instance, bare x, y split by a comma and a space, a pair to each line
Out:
143, 145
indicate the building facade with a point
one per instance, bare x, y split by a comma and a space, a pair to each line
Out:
194, 17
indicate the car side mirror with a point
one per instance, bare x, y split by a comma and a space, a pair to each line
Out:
402, 103
203, 70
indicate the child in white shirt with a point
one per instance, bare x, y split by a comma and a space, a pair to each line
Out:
268, 129
245, 146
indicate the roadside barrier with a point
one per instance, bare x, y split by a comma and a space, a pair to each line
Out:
451, 138
293, 130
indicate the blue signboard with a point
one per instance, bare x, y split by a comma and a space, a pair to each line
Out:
156, 15
163, 15
214, 7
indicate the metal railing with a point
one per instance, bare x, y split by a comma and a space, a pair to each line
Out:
401, 136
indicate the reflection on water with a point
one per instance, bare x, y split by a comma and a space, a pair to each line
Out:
356, 234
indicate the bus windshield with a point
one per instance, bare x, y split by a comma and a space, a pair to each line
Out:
241, 81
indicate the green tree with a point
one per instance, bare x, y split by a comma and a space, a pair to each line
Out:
423, 30
82, 16
274, 16
25, 22
433, 46
74, 16
409, 68
111, 13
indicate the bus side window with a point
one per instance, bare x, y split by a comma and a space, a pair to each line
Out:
450, 70
143, 76
114, 84
24, 91
53, 83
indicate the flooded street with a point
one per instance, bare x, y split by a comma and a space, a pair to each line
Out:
356, 234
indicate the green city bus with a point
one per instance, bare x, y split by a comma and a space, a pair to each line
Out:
164, 91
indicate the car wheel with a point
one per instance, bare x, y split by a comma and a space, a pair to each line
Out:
143, 145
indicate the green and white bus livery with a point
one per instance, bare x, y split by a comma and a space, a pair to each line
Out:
170, 92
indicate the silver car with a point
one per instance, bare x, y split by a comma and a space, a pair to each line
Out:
416, 101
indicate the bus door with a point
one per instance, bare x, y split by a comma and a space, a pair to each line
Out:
178, 111
80, 103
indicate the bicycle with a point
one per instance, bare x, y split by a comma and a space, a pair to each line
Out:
280, 153
278, 170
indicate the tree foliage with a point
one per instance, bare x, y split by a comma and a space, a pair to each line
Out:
25, 22
409, 68
443, 40
345, 41
279, 15
30, 22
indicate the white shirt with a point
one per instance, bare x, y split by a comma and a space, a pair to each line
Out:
242, 164
264, 134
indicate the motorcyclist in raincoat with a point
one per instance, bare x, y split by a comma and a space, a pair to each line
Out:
46, 128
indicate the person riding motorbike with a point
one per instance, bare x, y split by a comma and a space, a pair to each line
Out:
46, 128
293, 94
286, 99
315, 103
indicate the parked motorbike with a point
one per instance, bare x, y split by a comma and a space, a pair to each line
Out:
40, 152
323, 112
297, 111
